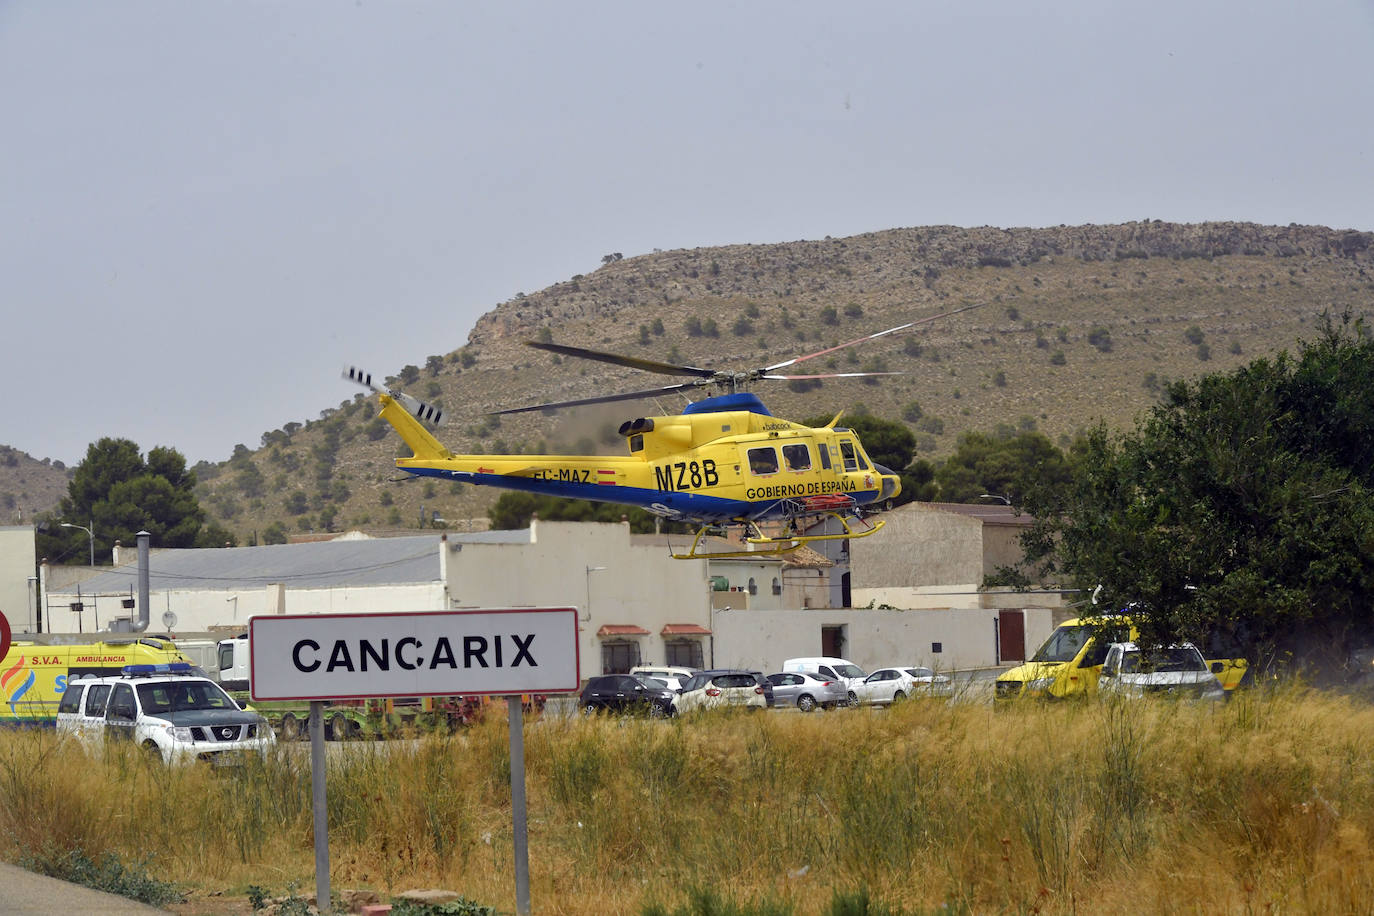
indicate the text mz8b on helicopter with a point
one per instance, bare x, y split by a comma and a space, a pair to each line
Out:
724, 462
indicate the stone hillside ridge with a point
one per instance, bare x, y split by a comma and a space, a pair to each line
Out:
1076, 325
862, 264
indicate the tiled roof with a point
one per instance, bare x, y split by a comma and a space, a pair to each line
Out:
683, 629
621, 629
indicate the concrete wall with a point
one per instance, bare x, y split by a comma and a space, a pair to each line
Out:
640, 585
199, 610
875, 639
919, 545
1002, 546
18, 590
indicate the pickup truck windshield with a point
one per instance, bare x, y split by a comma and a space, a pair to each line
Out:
1171, 659
175, 696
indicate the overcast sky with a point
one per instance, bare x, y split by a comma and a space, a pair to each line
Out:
208, 208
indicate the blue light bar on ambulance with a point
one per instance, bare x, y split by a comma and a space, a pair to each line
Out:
160, 668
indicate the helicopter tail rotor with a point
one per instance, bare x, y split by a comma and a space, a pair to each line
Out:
417, 408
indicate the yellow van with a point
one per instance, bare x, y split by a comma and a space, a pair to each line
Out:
1070, 661
34, 675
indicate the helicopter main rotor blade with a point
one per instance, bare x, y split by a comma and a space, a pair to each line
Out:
603, 399
830, 375
632, 362
901, 327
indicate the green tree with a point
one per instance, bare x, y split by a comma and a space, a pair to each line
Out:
1010, 464
117, 493
1239, 507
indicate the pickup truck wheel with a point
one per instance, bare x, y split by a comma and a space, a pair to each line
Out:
290, 727
806, 702
153, 751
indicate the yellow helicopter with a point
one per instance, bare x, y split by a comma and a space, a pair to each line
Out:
724, 463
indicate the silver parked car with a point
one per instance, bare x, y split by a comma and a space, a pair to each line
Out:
807, 690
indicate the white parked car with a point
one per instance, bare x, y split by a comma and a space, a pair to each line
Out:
671, 675
165, 709
927, 681
891, 685
719, 689
1174, 671
884, 687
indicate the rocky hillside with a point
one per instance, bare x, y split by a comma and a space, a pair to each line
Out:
1077, 325
28, 486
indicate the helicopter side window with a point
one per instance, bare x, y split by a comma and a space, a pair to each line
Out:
763, 460
797, 457
851, 460
825, 455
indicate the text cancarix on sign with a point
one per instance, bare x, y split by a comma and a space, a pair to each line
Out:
408, 653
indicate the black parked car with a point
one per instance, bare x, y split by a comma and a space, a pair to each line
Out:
627, 693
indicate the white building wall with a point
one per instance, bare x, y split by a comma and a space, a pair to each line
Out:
639, 585
205, 609
875, 639
18, 588
740, 572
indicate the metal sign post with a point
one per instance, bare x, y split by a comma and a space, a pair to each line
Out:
319, 657
517, 803
315, 726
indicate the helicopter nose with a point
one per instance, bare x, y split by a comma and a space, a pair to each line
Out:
892, 483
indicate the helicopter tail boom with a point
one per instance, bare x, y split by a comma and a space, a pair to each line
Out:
423, 444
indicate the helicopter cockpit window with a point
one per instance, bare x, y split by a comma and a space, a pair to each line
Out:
763, 460
851, 460
797, 457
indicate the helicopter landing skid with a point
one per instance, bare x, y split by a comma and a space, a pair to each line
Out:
764, 546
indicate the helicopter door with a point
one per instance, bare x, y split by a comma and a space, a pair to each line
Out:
852, 456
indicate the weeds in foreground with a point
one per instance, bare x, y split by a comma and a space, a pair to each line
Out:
106, 873
1266, 802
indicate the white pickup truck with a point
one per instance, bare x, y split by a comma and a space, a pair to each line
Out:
166, 709
1178, 671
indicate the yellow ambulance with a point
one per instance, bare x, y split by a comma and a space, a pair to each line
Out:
34, 675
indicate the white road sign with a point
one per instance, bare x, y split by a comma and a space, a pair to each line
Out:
439, 653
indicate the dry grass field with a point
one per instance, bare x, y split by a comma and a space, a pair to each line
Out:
1261, 805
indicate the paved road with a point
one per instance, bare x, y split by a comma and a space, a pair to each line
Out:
27, 892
